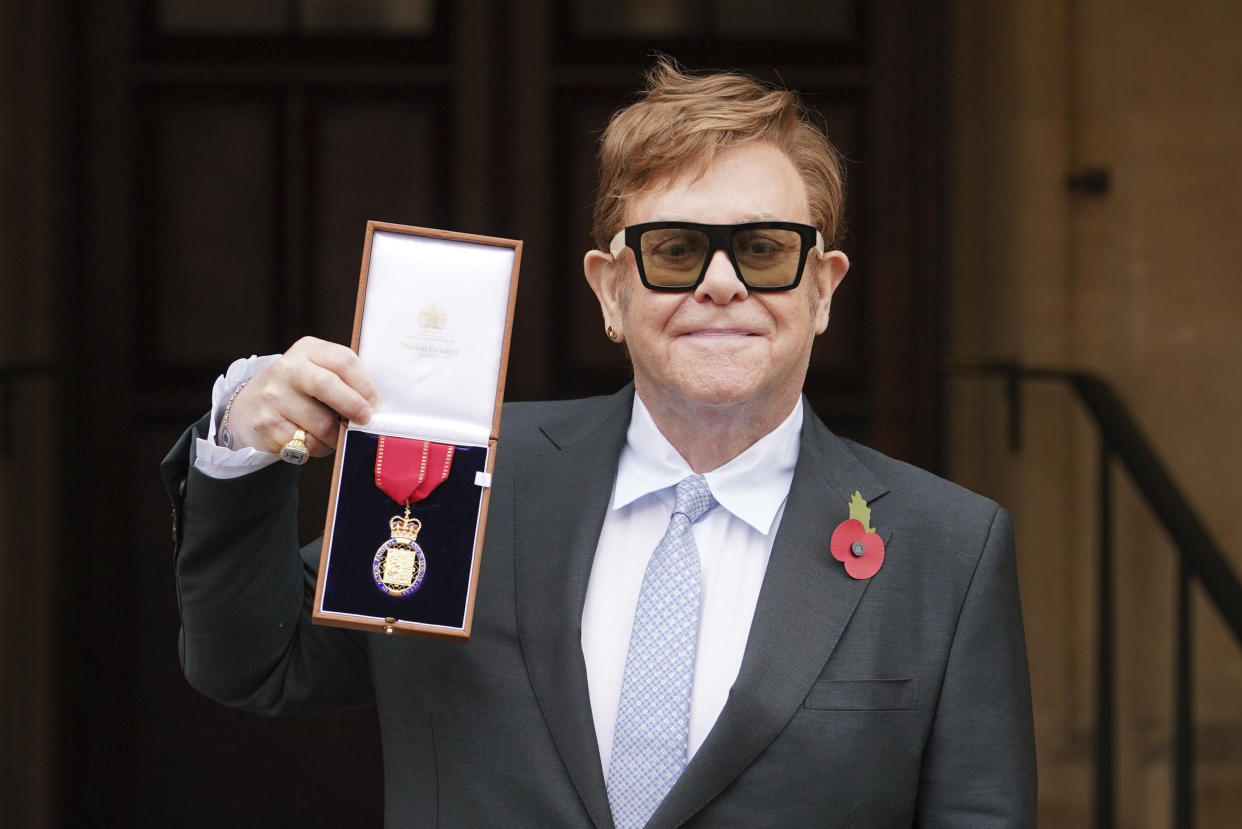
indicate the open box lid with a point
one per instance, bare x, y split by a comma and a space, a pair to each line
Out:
435, 332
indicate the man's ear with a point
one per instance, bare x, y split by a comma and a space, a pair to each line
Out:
604, 275
830, 269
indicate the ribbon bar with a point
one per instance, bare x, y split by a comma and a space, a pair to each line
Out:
409, 470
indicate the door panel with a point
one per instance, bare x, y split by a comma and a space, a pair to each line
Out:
231, 159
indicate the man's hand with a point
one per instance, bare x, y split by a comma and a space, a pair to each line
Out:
306, 388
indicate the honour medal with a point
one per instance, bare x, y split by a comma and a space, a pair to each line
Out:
399, 564
407, 471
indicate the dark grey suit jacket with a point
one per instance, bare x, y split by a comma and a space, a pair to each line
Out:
897, 701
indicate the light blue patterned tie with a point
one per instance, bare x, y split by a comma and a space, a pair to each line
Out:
653, 716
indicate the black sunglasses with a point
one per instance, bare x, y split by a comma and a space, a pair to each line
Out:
674, 256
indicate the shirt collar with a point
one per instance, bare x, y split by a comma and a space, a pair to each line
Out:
752, 486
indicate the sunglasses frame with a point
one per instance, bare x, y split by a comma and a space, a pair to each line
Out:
719, 237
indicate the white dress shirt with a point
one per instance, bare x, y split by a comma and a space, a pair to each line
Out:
213, 460
734, 541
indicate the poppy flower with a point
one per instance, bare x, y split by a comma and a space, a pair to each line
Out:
857, 545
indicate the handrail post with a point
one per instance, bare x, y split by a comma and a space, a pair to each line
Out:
1104, 648
1199, 558
1183, 745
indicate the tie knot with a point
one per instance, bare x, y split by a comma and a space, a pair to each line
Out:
693, 497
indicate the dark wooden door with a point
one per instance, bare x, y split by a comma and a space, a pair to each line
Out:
228, 156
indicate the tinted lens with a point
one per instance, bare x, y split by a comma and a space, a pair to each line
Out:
767, 257
673, 257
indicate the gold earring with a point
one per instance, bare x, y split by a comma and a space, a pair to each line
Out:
611, 332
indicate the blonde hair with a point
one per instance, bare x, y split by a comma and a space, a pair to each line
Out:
683, 120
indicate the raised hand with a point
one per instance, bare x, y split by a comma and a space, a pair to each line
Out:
307, 388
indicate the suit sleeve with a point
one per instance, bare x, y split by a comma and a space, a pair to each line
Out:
244, 592
979, 763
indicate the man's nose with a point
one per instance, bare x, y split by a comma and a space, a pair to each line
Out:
721, 283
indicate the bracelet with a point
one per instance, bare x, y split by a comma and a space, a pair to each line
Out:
224, 437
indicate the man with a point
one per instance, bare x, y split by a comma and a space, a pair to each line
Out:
677, 623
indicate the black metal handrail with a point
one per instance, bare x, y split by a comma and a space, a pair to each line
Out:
1198, 556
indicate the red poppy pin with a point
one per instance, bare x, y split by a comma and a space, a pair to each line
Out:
855, 542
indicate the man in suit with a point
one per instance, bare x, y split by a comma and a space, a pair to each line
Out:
677, 623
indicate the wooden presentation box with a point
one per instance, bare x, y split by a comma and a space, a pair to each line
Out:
432, 326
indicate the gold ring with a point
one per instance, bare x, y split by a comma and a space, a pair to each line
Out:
295, 451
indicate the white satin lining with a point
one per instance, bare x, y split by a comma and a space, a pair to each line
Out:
432, 333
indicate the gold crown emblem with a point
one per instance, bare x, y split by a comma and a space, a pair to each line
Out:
432, 316
405, 527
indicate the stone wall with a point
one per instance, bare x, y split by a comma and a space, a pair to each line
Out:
1138, 284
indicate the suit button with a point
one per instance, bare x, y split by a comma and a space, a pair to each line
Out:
174, 526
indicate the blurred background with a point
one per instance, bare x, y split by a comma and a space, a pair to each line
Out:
1033, 184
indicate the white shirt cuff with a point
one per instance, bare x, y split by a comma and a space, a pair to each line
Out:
214, 460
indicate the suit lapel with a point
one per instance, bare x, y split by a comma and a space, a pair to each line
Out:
561, 498
805, 602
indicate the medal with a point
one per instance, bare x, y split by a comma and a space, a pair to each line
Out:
399, 565
407, 471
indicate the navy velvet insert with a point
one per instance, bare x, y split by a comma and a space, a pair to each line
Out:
449, 516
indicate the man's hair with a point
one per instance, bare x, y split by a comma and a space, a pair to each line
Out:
683, 120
